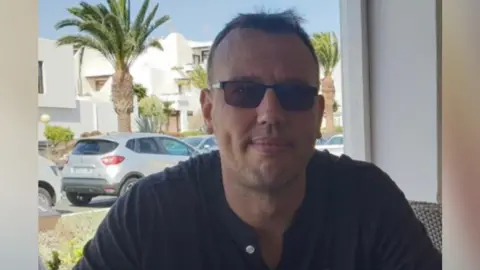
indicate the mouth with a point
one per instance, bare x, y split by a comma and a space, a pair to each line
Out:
270, 146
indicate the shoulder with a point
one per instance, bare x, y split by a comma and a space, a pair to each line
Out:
360, 182
181, 180
166, 198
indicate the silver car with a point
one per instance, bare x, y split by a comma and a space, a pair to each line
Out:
334, 145
203, 143
111, 164
49, 184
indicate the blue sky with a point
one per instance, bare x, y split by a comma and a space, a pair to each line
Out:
200, 20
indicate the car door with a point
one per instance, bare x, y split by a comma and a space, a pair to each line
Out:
174, 150
150, 154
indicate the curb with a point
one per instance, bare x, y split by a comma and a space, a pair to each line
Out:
86, 212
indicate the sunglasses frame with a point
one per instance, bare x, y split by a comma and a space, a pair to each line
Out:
221, 85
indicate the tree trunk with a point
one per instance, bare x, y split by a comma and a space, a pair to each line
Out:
328, 91
122, 98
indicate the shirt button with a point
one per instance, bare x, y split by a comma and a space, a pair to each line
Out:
250, 249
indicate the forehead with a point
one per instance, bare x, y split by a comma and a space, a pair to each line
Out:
269, 57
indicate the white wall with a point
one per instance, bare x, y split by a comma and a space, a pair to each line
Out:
152, 69
391, 113
18, 144
88, 115
404, 93
58, 75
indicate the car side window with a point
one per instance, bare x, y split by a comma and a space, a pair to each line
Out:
131, 144
210, 142
174, 147
336, 141
148, 146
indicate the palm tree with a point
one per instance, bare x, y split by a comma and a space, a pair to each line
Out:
109, 29
327, 51
139, 91
198, 77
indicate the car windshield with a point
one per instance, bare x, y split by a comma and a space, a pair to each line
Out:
194, 141
338, 140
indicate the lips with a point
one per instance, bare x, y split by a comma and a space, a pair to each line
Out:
270, 146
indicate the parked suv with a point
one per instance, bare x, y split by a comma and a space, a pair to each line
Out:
111, 164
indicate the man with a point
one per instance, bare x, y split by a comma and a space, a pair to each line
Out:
266, 199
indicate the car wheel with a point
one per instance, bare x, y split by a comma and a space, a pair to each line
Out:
78, 199
129, 183
45, 201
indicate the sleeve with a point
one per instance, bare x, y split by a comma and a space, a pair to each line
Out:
117, 242
401, 241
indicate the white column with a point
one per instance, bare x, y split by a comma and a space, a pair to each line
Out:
355, 93
18, 141
183, 119
461, 133
392, 102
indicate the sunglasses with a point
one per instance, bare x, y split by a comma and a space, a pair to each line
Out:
291, 96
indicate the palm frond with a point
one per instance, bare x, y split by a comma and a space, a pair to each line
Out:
327, 50
111, 30
88, 42
139, 20
198, 77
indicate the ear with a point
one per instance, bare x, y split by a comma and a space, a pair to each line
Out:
206, 103
321, 111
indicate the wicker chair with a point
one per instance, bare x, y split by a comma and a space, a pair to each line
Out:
430, 214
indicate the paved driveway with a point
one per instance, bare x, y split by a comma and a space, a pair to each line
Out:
65, 207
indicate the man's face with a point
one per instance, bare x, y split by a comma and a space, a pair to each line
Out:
266, 143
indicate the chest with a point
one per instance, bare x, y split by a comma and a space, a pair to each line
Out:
208, 245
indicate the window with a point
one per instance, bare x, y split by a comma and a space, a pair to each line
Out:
99, 83
131, 144
210, 142
196, 59
193, 141
205, 55
336, 140
174, 147
40, 77
148, 146
94, 147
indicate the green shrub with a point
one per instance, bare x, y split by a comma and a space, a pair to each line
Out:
149, 124
70, 258
150, 106
55, 262
75, 253
58, 134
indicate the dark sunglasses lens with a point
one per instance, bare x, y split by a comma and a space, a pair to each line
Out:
296, 97
243, 94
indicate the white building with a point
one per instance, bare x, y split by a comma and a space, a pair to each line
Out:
76, 93
156, 70
57, 94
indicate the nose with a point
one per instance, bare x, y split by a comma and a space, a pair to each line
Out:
270, 111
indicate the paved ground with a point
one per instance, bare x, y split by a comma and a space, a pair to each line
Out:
65, 207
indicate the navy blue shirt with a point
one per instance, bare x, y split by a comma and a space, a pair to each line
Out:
353, 217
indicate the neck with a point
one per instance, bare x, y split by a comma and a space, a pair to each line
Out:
265, 210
